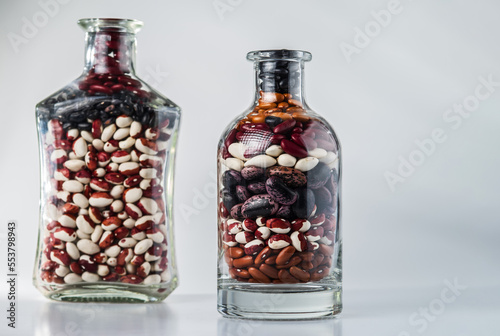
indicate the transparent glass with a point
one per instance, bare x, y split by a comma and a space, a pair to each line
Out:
107, 148
279, 171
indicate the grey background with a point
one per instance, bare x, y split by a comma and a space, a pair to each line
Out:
440, 223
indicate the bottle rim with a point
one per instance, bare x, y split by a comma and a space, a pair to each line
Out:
279, 54
119, 25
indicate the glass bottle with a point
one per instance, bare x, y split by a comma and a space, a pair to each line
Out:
107, 148
279, 169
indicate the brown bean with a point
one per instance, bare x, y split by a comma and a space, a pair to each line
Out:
268, 270
283, 105
243, 262
266, 251
271, 260
286, 277
307, 256
294, 102
282, 115
285, 255
277, 282
327, 262
318, 259
243, 273
295, 109
266, 106
258, 118
236, 252
292, 262
300, 273
307, 265
300, 116
326, 249
320, 273
232, 273
271, 97
258, 275
242, 279
288, 96
274, 110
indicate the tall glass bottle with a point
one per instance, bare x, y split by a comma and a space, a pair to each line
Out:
107, 148
280, 246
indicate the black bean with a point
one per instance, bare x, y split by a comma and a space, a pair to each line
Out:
78, 116
272, 122
84, 126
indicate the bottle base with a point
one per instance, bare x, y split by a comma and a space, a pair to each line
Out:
111, 293
279, 302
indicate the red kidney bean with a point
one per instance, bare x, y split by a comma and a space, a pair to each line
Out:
117, 88
304, 141
285, 127
252, 126
276, 139
231, 137
102, 89
293, 149
127, 81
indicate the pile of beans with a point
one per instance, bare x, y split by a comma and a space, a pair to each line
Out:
279, 193
105, 142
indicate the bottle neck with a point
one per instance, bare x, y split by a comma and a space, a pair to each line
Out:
280, 76
109, 52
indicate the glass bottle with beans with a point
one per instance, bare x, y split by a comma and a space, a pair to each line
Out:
279, 170
107, 142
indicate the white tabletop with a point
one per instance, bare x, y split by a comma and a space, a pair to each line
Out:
470, 311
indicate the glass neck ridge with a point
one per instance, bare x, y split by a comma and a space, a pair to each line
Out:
280, 71
110, 45
110, 53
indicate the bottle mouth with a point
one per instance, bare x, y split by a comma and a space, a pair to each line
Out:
279, 54
92, 25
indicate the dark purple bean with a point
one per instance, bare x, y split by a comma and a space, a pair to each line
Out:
259, 205
228, 199
252, 173
236, 212
242, 193
305, 203
232, 178
257, 187
285, 211
290, 176
323, 198
278, 190
318, 176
